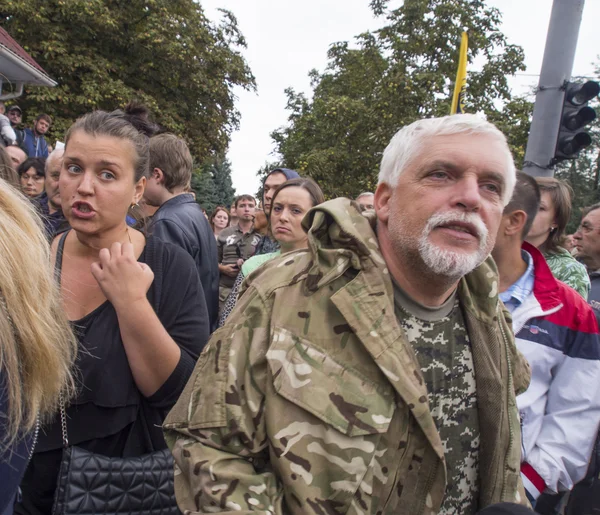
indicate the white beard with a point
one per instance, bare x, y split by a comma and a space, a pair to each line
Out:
447, 262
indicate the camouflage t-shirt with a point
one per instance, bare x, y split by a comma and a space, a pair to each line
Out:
441, 344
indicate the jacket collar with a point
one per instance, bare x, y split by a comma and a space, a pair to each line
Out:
340, 238
177, 200
545, 287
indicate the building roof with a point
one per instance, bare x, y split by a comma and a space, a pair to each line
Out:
17, 66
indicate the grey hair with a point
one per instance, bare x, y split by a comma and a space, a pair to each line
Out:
364, 194
53, 155
410, 141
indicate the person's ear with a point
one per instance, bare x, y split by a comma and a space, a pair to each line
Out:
138, 193
158, 175
383, 197
515, 222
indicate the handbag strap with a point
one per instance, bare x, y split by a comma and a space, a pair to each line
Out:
63, 421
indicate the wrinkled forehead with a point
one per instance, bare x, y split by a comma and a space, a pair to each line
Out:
592, 219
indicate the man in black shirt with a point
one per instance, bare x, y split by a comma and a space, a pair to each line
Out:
179, 219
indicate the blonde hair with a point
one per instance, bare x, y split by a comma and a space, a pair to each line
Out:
37, 346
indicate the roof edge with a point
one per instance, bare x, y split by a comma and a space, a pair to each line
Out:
41, 78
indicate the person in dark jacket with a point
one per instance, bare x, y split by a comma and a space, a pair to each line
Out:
274, 179
34, 142
179, 219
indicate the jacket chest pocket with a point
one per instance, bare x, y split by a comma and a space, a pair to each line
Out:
327, 422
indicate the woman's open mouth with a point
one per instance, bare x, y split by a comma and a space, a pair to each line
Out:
83, 210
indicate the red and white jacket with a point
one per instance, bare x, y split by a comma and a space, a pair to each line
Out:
557, 332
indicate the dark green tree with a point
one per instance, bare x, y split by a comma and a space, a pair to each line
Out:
390, 78
221, 174
164, 53
203, 186
212, 184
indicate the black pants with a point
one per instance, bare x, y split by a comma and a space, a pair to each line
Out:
506, 508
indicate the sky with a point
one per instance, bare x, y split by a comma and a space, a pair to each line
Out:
286, 39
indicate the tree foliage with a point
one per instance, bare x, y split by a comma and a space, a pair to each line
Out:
165, 53
212, 184
392, 77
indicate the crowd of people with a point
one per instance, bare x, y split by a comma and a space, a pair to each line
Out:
429, 348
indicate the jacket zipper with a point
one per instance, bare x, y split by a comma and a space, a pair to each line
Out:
511, 436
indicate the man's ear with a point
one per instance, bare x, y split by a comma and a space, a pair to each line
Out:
383, 195
158, 176
515, 222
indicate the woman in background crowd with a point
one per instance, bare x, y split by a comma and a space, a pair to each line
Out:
290, 202
137, 306
37, 347
7, 172
32, 176
548, 229
219, 220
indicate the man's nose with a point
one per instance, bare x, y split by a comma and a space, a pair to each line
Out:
467, 193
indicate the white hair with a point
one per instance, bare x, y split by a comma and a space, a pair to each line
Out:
411, 140
57, 153
365, 194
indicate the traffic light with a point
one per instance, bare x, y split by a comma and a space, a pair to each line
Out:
576, 114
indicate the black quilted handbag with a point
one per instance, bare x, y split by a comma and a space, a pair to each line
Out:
91, 484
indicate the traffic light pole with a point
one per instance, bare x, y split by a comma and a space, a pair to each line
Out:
559, 55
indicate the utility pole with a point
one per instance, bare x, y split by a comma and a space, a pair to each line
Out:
559, 55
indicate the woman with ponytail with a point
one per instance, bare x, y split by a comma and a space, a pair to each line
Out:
136, 304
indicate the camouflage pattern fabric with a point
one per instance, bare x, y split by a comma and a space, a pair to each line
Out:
234, 244
444, 353
310, 400
570, 271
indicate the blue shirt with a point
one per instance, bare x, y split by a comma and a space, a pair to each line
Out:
514, 296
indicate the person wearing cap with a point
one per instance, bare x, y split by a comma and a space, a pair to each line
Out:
274, 179
15, 116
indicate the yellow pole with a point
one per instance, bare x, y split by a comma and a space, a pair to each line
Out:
461, 78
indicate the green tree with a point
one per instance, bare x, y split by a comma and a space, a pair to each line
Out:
165, 53
212, 184
392, 77
221, 174
202, 185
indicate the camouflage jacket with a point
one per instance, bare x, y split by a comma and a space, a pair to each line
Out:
310, 399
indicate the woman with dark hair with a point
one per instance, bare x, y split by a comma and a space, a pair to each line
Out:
290, 202
219, 220
548, 230
32, 176
137, 306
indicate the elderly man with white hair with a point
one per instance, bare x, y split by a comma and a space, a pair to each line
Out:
374, 372
50, 203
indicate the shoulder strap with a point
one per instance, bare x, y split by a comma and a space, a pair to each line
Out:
59, 256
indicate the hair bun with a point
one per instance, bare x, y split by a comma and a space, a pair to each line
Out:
138, 115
